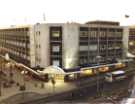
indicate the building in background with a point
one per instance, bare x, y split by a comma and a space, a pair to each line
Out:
16, 42
66, 45
100, 38
129, 41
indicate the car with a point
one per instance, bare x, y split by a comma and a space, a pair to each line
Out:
115, 76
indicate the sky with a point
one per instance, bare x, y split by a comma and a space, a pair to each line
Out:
17, 12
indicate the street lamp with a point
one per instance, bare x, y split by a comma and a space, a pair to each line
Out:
97, 72
53, 84
23, 74
23, 87
8, 67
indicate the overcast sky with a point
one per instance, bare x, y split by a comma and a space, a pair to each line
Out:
31, 11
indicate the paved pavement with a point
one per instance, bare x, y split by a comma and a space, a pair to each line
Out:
33, 87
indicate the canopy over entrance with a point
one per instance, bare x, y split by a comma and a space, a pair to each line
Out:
52, 70
130, 55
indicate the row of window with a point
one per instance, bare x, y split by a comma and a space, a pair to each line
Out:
56, 45
94, 34
23, 55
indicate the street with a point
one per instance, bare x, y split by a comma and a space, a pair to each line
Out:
112, 93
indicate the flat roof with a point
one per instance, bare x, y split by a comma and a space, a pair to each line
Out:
101, 22
15, 27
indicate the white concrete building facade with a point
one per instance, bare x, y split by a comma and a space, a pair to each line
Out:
66, 45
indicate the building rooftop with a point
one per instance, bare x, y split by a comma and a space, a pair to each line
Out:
15, 27
99, 22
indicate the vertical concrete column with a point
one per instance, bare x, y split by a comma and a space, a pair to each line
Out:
125, 41
32, 46
70, 45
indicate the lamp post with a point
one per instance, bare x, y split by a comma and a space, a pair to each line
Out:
97, 72
8, 66
53, 84
11, 73
23, 87
23, 74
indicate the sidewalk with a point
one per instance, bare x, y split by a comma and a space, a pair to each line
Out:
34, 88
